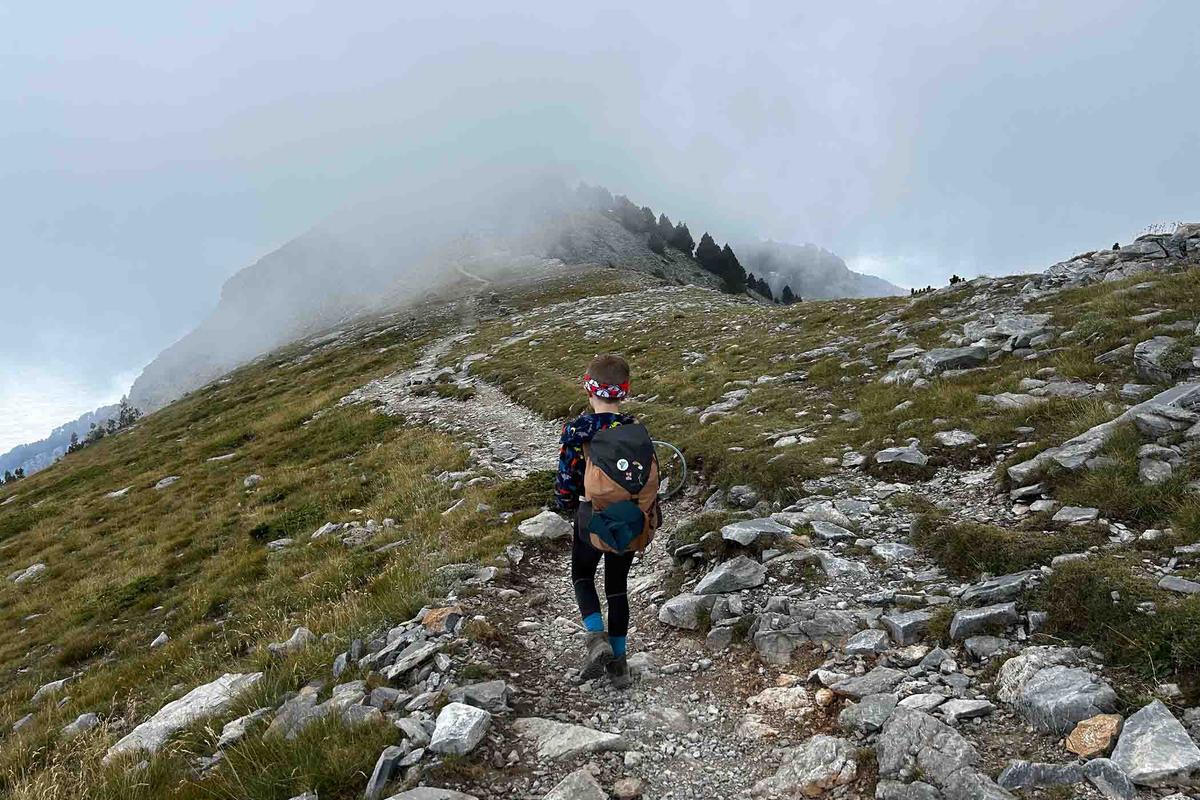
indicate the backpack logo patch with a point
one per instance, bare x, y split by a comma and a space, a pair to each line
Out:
622, 464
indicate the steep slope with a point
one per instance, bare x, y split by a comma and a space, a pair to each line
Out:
917, 547
812, 272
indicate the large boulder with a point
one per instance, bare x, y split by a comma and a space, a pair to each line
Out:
914, 742
1154, 748
1055, 699
546, 526
687, 611
1150, 359
733, 576
459, 729
812, 769
941, 359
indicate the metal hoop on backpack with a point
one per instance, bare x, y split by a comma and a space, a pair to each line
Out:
672, 469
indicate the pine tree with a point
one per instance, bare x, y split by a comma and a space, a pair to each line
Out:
127, 414
732, 272
708, 254
764, 289
665, 229
8, 477
74, 445
629, 215
681, 238
787, 296
657, 243
19, 474
647, 224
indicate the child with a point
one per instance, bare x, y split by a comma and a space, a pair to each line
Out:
620, 524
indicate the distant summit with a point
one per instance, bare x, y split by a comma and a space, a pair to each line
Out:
813, 272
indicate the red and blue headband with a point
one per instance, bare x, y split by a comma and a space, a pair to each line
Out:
607, 391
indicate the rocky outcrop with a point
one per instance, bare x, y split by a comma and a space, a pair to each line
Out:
203, 701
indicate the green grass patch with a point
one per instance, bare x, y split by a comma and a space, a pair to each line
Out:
967, 549
1162, 647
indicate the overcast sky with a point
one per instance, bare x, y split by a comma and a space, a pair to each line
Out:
150, 150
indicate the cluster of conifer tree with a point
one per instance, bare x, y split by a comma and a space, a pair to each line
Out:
126, 416
661, 233
11, 476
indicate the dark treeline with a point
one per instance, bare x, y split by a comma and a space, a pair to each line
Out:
661, 233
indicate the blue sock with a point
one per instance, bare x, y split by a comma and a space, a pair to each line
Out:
594, 622
618, 645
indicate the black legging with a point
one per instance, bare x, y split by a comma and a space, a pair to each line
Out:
584, 559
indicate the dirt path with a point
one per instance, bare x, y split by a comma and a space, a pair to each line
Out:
680, 717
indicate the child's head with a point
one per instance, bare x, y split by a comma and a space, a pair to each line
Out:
607, 380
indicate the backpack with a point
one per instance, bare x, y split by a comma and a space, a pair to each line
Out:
620, 480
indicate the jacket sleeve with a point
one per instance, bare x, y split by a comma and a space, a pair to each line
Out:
568, 483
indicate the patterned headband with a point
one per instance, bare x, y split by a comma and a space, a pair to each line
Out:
607, 391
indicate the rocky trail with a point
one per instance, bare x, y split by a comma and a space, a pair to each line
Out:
795, 641
806, 650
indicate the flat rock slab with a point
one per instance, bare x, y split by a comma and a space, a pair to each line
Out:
203, 701
955, 438
579, 785
997, 590
752, 532
907, 628
880, 680
830, 532
733, 576
1174, 583
562, 740
1154, 748
429, 793
1075, 515
974, 621
901, 455
915, 741
812, 769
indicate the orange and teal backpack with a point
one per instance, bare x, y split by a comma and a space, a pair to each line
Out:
620, 480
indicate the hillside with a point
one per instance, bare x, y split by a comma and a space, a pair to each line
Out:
925, 540
813, 272
386, 255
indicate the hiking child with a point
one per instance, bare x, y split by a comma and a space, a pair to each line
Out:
608, 479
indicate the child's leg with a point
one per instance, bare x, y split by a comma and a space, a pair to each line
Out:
584, 559
616, 583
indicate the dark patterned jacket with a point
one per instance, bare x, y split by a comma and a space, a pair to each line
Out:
568, 484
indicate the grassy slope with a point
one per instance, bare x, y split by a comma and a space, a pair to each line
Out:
743, 341
190, 560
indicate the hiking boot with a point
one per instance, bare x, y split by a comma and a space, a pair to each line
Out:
599, 655
618, 672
